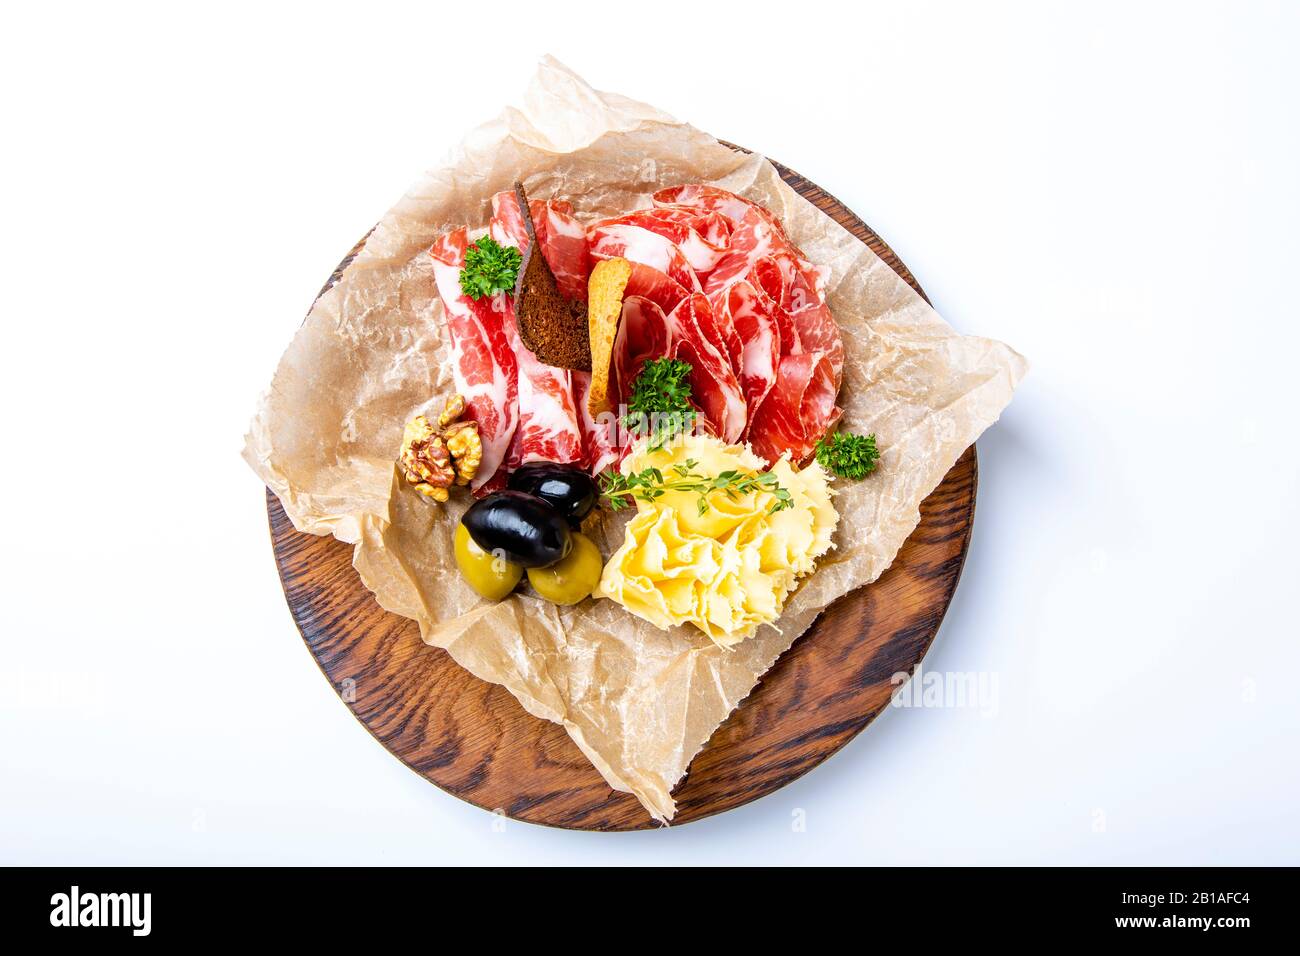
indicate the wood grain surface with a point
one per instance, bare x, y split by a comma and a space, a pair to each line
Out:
475, 741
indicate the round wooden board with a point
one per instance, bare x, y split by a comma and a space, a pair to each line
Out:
475, 741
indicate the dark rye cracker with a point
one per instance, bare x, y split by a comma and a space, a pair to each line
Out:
552, 326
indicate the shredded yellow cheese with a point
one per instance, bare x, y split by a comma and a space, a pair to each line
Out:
730, 569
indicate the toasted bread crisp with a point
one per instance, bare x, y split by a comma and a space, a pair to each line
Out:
604, 306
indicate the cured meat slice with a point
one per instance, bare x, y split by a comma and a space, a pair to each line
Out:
507, 225
649, 283
716, 326
714, 387
600, 443
642, 336
754, 237
563, 238
549, 427
638, 244
564, 243
804, 282
700, 235
645, 333
769, 284
755, 327
799, 408
712, 199
815, 331
791, 355
482, 360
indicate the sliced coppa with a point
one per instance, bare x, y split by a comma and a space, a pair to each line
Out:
483, 362
701, 236
549, 426
599, 431
763, 302
642, 336
649, 283
712, 199
637, 244
791, 359
646, 333
754, 237
564, 243
799, 408
752, 319
714, 387
563, 238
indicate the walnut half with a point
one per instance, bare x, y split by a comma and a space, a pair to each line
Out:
425, 460
466, 449
434, 457
452, 410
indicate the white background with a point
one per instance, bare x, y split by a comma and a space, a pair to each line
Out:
1109, 188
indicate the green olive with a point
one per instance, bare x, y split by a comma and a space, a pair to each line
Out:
490, 575
573, 578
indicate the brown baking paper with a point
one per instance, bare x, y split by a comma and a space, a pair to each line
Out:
639, 702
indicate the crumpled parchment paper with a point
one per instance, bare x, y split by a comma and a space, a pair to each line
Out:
639, 702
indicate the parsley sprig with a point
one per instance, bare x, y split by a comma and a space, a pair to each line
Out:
848, 455
648, 484
660, 406
489, 267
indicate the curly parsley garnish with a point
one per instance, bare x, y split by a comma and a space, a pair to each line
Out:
848, 455
660, 406
489, 268
649, 484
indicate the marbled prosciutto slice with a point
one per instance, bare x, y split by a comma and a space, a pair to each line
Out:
483, 361
550, 427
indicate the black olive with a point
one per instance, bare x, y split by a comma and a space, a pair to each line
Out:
523, 527
571, 491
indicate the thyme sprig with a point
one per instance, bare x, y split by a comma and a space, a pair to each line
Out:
651, 483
